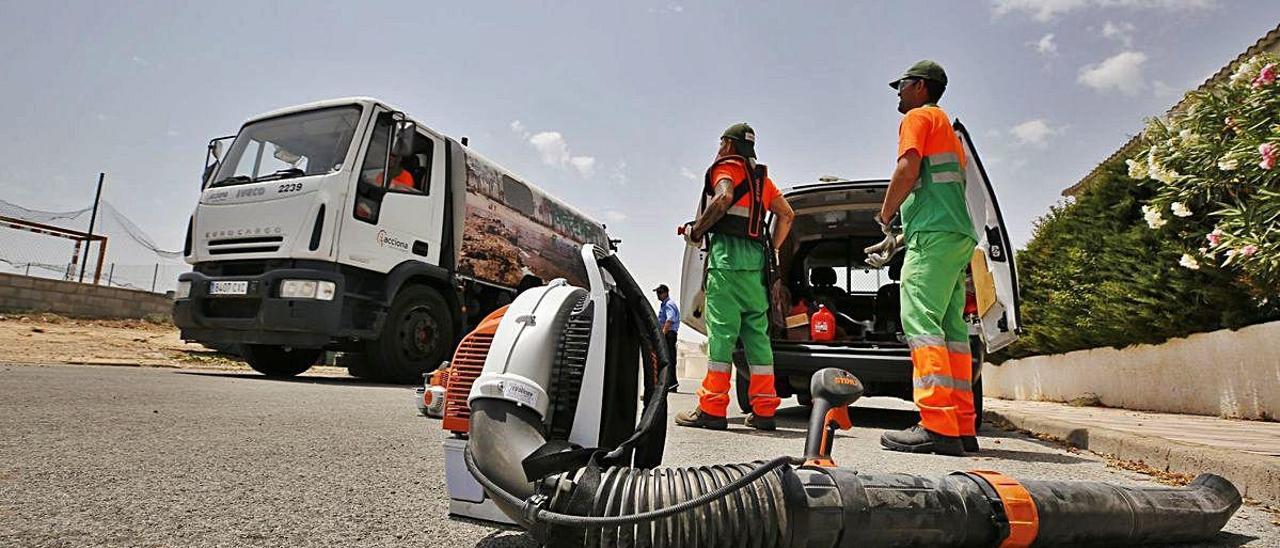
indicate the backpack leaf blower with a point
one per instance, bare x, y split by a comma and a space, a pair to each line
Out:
525, 403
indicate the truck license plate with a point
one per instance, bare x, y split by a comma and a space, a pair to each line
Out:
228, 288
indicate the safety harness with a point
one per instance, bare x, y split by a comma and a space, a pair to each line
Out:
742, 221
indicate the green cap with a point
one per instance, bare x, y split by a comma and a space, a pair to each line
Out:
926, 69
743, 137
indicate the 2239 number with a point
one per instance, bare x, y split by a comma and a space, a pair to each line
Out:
289, 187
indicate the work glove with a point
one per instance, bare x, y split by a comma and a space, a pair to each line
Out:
882, 252
890, 237
881, 258
686, 230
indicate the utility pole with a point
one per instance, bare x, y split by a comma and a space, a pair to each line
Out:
93, 217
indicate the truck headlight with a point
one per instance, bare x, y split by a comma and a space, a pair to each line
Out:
307, 289
183, 291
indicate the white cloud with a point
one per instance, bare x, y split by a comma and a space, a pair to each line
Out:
552, 147
1122, 73
667, 9
172, 133
554, 151
1034, 132
688, 174
1040, 10
585, 165
1121, 31
1046, 10
614, 215
619, 174
1046, 45
519, 129
1172, 5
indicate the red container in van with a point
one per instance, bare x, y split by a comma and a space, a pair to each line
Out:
822, 326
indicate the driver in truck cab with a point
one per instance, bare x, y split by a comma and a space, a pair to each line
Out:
401, 179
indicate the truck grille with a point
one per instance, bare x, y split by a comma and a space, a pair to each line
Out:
254, 244
230, 307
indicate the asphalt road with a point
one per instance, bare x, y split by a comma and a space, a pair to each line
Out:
116, 456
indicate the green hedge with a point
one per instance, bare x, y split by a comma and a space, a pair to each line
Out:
1095, 274
1182, 238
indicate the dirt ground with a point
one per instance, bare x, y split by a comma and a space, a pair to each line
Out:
38, 338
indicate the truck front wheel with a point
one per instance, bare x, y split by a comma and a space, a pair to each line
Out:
416, 336
278, 361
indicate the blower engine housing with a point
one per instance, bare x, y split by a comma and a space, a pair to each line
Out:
572, 341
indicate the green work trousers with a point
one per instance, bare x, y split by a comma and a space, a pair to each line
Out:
933, 297
737, 308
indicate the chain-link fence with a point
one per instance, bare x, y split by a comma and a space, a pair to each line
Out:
156, 278
52, 245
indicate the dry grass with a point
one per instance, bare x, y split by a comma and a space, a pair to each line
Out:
52, 338
1162, 476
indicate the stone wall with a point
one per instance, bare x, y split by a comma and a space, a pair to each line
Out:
1225, 373
25, 293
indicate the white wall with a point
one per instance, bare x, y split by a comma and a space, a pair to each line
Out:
1224, 373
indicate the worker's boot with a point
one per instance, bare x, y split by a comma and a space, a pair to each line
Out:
969, 443
917, 439
697, 418
760, 423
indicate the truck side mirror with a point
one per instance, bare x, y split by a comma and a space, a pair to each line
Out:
213, 158
402, 146
209, 170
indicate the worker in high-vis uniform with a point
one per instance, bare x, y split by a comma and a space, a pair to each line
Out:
928, 185
737, 193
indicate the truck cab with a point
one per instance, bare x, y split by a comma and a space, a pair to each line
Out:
340, 225
823, 264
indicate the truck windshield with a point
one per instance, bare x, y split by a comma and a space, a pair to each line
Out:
294, 145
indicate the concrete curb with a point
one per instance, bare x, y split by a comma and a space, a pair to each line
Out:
1256, 476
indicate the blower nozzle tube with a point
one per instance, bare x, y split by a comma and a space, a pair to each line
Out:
834, 507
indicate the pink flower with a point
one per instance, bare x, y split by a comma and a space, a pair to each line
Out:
1268, 152
1215, 236
1266, 76
1248, 250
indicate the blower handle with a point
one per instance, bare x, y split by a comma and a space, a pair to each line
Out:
833, 391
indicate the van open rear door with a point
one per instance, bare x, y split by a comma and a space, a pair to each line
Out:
995, 278
692, 303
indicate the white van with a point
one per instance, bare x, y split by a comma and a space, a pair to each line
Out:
823, 262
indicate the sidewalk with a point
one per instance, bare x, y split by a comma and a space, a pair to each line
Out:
1245, 452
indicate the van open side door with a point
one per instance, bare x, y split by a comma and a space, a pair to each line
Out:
995, 278
693, 305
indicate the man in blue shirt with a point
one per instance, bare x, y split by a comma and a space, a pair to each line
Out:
669, 322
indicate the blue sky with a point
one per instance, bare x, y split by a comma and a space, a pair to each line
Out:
615, 107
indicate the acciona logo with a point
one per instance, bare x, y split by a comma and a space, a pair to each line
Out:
387, 240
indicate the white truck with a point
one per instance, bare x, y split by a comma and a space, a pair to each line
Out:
347, 225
